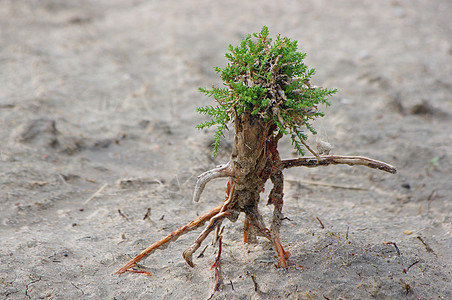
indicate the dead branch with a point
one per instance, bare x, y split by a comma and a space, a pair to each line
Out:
427, 246
256, 286
326, 160
320, 221
395, 246
204, 178
97, 193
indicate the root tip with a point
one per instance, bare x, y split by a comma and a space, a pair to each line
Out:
188, 259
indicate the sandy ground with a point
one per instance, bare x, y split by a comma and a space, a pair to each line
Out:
97, 114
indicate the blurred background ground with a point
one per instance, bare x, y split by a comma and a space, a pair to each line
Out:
97, 114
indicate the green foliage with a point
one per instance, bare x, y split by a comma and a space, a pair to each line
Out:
270, 81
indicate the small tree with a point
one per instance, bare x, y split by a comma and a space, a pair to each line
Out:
267, 94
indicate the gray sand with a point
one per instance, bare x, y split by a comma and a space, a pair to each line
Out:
97, 113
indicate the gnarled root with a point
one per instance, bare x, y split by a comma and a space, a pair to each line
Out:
253, 220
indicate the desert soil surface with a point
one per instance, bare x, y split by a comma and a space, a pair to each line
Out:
97, 114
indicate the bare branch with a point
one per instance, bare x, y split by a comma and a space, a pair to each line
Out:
309, 149
204, 178
325, 160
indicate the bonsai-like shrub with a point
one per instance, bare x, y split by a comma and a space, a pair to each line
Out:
267, 94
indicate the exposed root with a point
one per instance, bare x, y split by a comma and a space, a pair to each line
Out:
215, 216
248, 237
325, 160
217, 266
283, 255
253, 220
276, 198
214, 221
163, 243
204, 178
228, 198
